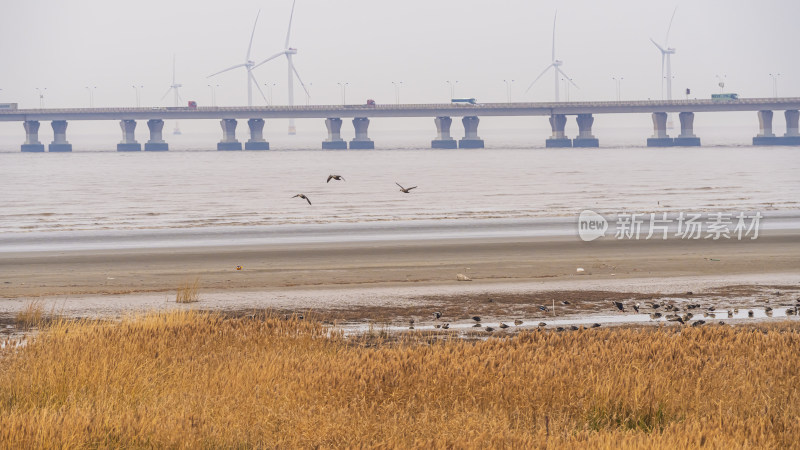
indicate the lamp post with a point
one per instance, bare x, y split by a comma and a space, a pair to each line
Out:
397, 85
775, 77
269, 91
508, 89
91, 95
721, 83
213, 88
343, 86
138, 98
566, 81
40, 92
452, 85
618, 84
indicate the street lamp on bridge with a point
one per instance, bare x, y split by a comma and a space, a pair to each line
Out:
138, 97
91, 95
618, 84
40, 92
343, 87
452, 85
213, 94
397, 85
775, 77
508, 89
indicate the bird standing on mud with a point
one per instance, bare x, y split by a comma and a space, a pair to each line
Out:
335, 177
404, 190
303, 196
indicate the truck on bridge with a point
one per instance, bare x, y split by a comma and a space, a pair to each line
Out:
8, 106
471, 101
724, 97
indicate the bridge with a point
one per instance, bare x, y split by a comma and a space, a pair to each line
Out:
441, 113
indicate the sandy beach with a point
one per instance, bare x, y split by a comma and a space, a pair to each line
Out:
396, 263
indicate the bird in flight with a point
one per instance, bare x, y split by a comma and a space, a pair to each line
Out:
404, 190
334, 177
303, 196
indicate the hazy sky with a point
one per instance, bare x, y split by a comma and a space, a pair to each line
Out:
65, 45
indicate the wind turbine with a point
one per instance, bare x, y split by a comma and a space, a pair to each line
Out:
555, 65
289, 52
174, 89
666, 63
248, 64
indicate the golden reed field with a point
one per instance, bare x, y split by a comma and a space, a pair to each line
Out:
192, 379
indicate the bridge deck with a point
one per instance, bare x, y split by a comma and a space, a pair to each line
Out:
408, 110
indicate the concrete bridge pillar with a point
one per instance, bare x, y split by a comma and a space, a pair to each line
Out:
471, 139
792, 136
660, 137
765, 135
362, 140
585, 137
256, 141
156, 142
334, 141
559, 138
128, 143
443, 138
228, 141
59, 143
687, 137
32, 143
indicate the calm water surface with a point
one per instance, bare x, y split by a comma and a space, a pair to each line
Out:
186, 190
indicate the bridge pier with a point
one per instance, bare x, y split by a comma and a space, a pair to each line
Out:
129, 143
687, 137
792, 135
443, 138
362, 140
559, 138
32, 143
228, 142
471, 139
585, 137
156, 142
765, 135
660, 137
334, 141
256, 141
59, 143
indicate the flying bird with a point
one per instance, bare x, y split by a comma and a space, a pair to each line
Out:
335, 177
303, 196
404, 190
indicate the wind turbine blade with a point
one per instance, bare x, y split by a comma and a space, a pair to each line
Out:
666, 39
269, 59
537, 78
656, 44
300, 80
253, 33
289, 32
554, 35
166, 93
567, 77
252, 77
229, 68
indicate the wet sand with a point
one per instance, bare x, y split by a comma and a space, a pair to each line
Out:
418, 263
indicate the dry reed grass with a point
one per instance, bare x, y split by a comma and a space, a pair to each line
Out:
32, 315
201, 380
187, 292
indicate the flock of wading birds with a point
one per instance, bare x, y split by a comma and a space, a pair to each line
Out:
672, 313
341, 178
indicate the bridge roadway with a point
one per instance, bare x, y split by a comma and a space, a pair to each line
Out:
405, 110
441, 113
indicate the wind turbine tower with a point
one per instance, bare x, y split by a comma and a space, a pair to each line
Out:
289, 52
666, 62
174, 89
249, 65
555, 64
